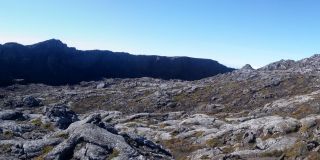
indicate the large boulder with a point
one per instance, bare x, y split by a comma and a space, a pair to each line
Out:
30, 101
61, 115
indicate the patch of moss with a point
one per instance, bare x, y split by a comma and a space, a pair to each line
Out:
180, 148
45, 151
304, 129
274, 153
302, 111
8, 134
36, 122
239, 136
227, 149
298, 149
115, 153
198, 134
63, 135
131, 124
48, 126
213, 142
204, 157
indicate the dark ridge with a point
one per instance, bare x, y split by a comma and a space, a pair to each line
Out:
53, 62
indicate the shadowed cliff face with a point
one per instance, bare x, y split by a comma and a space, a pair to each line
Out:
52, 62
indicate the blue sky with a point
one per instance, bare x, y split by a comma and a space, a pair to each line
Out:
234, 32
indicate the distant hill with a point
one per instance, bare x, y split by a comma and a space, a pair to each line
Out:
53, 62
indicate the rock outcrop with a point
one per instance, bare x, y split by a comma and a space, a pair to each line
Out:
61, 115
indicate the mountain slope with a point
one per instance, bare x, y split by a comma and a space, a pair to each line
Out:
52, 62
269, 113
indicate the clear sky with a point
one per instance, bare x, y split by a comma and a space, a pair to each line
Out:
234, 32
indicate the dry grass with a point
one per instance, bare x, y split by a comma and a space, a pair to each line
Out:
181, 148
115, 153
213, 142
63, 135
8, 134
298, 149
274, 153
45, 151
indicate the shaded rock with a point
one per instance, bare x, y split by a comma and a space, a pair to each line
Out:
249, 136
61, 115
145, 146
11, 115
312, 145
30, 101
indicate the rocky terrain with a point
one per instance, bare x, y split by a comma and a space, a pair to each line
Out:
269, 113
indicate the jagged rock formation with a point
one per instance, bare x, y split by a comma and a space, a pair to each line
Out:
247, 67
268, 113
310, 64
53, 62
